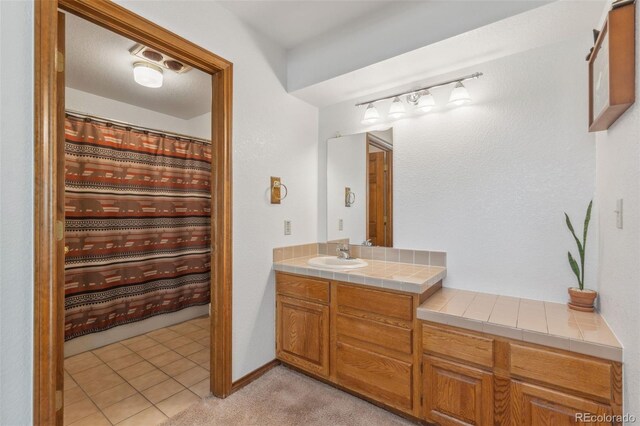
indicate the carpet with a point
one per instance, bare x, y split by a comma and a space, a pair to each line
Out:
284, 397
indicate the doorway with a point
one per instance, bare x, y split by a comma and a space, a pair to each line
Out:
49, 196
379, 192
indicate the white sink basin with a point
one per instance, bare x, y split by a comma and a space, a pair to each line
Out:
336, 263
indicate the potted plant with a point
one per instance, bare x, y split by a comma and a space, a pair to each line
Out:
581, 299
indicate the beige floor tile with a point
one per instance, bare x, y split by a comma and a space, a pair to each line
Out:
177, 342
149, 417
165, 358
179, 366
200, 357
164, 335
69, 383
125, 361
201, 322
73, 395
148, 379
136, 370
139, 343
78, 411
162, 391
115, 353
108, 348
184, 328
152, 351
97, 379
197, 336
126, 408
178, 402
189, 348
202, 389
96, 419
81, 362
205, 342
115, 394
192, 376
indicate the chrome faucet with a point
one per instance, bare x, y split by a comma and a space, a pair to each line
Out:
367, 243
343, 251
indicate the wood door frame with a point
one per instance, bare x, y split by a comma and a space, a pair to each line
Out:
48, 298
372, 140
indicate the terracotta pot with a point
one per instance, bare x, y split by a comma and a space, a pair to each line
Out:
582, 300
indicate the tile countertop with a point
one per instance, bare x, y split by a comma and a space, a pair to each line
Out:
545, 323
406, 277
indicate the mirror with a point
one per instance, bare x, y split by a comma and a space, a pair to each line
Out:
360, 188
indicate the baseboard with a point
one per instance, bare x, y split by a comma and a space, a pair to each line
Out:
255, 374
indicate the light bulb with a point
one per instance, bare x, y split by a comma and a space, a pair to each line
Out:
371, 115
147, 75
396, 110
459, 95
426, 102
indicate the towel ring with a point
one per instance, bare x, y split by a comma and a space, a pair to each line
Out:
349, 197
277, 185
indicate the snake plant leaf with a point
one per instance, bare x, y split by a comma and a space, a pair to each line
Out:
570, 226
575, 268
587, 219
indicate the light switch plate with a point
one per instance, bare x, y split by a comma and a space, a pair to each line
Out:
618, 211
287, 227
340, 225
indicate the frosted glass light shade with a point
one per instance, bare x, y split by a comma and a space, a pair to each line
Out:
459, 95
147, 75
396, 110
426, 102
371, 115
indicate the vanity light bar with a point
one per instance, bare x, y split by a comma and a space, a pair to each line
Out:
426, 88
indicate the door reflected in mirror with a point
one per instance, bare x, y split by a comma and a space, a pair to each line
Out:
360, 188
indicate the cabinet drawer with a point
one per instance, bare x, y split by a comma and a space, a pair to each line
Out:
382, 378
568, 371
458, 344
374, 335
315, 290
375, 304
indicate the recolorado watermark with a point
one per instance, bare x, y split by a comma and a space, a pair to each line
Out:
605, 418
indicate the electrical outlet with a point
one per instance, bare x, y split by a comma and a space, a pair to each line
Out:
287, 227
340, 225
618, 211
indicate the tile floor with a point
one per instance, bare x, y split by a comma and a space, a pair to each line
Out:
139, 381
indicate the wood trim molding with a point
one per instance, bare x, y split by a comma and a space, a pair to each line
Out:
49, 252
254, 375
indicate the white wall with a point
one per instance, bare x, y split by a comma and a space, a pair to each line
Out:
618, 176
16, 207
274, 134
89, 103
347, 167
488, 183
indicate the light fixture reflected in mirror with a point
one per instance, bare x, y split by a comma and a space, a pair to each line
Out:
426, 102
396, 110
459, 95
147, 75
371, 115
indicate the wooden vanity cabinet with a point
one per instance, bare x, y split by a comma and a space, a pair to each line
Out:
363, 340
473, 378
302, 323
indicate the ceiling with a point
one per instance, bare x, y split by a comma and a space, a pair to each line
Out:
292, 23
98, 61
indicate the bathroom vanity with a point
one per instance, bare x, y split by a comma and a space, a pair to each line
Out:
390, 333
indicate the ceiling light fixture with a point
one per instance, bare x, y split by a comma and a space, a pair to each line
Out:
459, 95
147, 75
421, 98
396, 110
371, 115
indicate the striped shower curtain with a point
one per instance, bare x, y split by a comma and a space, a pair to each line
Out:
138, 231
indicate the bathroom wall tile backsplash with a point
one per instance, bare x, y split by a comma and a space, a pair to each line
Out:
419, 257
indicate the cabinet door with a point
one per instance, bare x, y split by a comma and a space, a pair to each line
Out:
456, 394
537, 405
302, 334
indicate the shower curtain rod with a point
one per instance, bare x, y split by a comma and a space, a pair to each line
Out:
79, 114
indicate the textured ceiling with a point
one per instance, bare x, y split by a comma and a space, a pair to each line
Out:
291, 23
98, 61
